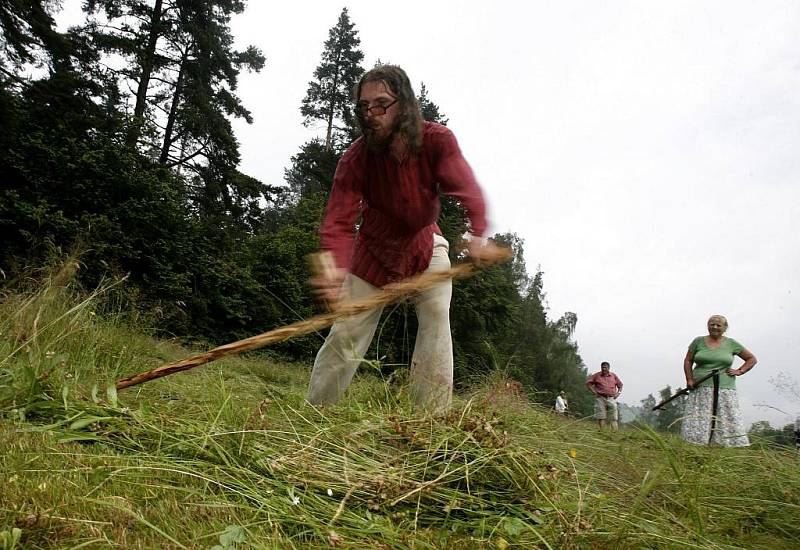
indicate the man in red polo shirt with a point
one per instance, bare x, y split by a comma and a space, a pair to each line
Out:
606, 386
388, 182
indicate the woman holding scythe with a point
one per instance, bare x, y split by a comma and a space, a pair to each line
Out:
712, 411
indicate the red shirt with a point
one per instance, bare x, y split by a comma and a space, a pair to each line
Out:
605, 385
398, 203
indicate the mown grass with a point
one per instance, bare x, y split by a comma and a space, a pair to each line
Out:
229, 456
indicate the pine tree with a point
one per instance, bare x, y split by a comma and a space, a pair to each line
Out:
329, 97
184, 71
27, 28
430, 111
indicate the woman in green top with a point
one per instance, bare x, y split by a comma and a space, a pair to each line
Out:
712, 409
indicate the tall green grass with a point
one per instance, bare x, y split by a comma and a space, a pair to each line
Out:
229, 456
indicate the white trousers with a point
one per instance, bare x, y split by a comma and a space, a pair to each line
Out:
349, 339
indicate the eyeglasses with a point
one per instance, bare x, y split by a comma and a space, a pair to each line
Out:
364, 109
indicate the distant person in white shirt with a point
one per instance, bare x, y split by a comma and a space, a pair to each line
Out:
561, 403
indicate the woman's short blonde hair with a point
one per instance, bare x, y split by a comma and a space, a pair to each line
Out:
721, 318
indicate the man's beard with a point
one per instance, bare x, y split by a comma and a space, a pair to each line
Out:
378, 141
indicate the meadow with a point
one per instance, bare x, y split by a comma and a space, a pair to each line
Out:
228, 455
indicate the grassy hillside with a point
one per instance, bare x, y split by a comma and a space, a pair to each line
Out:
229, 456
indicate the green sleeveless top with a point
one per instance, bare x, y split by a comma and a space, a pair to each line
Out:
707, 359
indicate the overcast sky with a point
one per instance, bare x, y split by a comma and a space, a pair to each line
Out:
646, 152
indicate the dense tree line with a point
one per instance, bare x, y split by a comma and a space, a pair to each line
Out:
763, 435
122, 151
666, 419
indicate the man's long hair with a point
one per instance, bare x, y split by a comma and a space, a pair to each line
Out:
408, 123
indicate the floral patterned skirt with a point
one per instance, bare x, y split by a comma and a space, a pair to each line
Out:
729, 430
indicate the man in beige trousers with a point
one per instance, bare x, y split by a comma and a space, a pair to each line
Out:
389, 181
